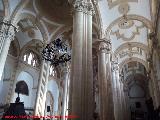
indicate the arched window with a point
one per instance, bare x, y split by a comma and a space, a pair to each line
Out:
31, 58
52, 71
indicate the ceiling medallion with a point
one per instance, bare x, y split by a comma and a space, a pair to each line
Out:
123, 8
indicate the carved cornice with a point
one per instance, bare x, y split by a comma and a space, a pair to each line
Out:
82, 6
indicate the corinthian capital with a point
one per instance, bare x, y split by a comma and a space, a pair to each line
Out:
78, 5
105, 46
90, 8
83, 6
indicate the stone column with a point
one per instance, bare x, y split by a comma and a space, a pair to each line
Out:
42, 89
124, 113
7, 33
124, 103
118, 94
66, 72
81, 97
104, 50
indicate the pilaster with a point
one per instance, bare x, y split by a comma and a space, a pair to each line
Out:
116, 91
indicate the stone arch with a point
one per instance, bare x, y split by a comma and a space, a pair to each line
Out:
133, 59
19, 7
144, 20
27, 46
134, 44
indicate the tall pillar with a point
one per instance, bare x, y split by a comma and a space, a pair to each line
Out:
103, 78
81, 97
42, 89
117, 92
7, 33
124, 103
66, 72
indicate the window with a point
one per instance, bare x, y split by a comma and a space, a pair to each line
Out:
52, 71
31, 58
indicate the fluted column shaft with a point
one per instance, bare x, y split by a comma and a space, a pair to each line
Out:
104, 49
124, 104
117, 92
7, 33
81, 96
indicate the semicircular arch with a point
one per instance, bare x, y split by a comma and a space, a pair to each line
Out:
142, 19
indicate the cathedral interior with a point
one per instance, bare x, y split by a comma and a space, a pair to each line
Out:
93, 59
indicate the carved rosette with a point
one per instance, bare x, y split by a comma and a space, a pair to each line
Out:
82, 6
105, 47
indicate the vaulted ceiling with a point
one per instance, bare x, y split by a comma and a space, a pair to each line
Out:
127, 23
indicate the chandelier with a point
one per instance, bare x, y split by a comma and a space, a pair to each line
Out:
57, 52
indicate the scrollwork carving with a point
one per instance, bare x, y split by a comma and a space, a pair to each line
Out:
122, 36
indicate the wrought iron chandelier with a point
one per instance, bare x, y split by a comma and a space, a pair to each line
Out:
57, 52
